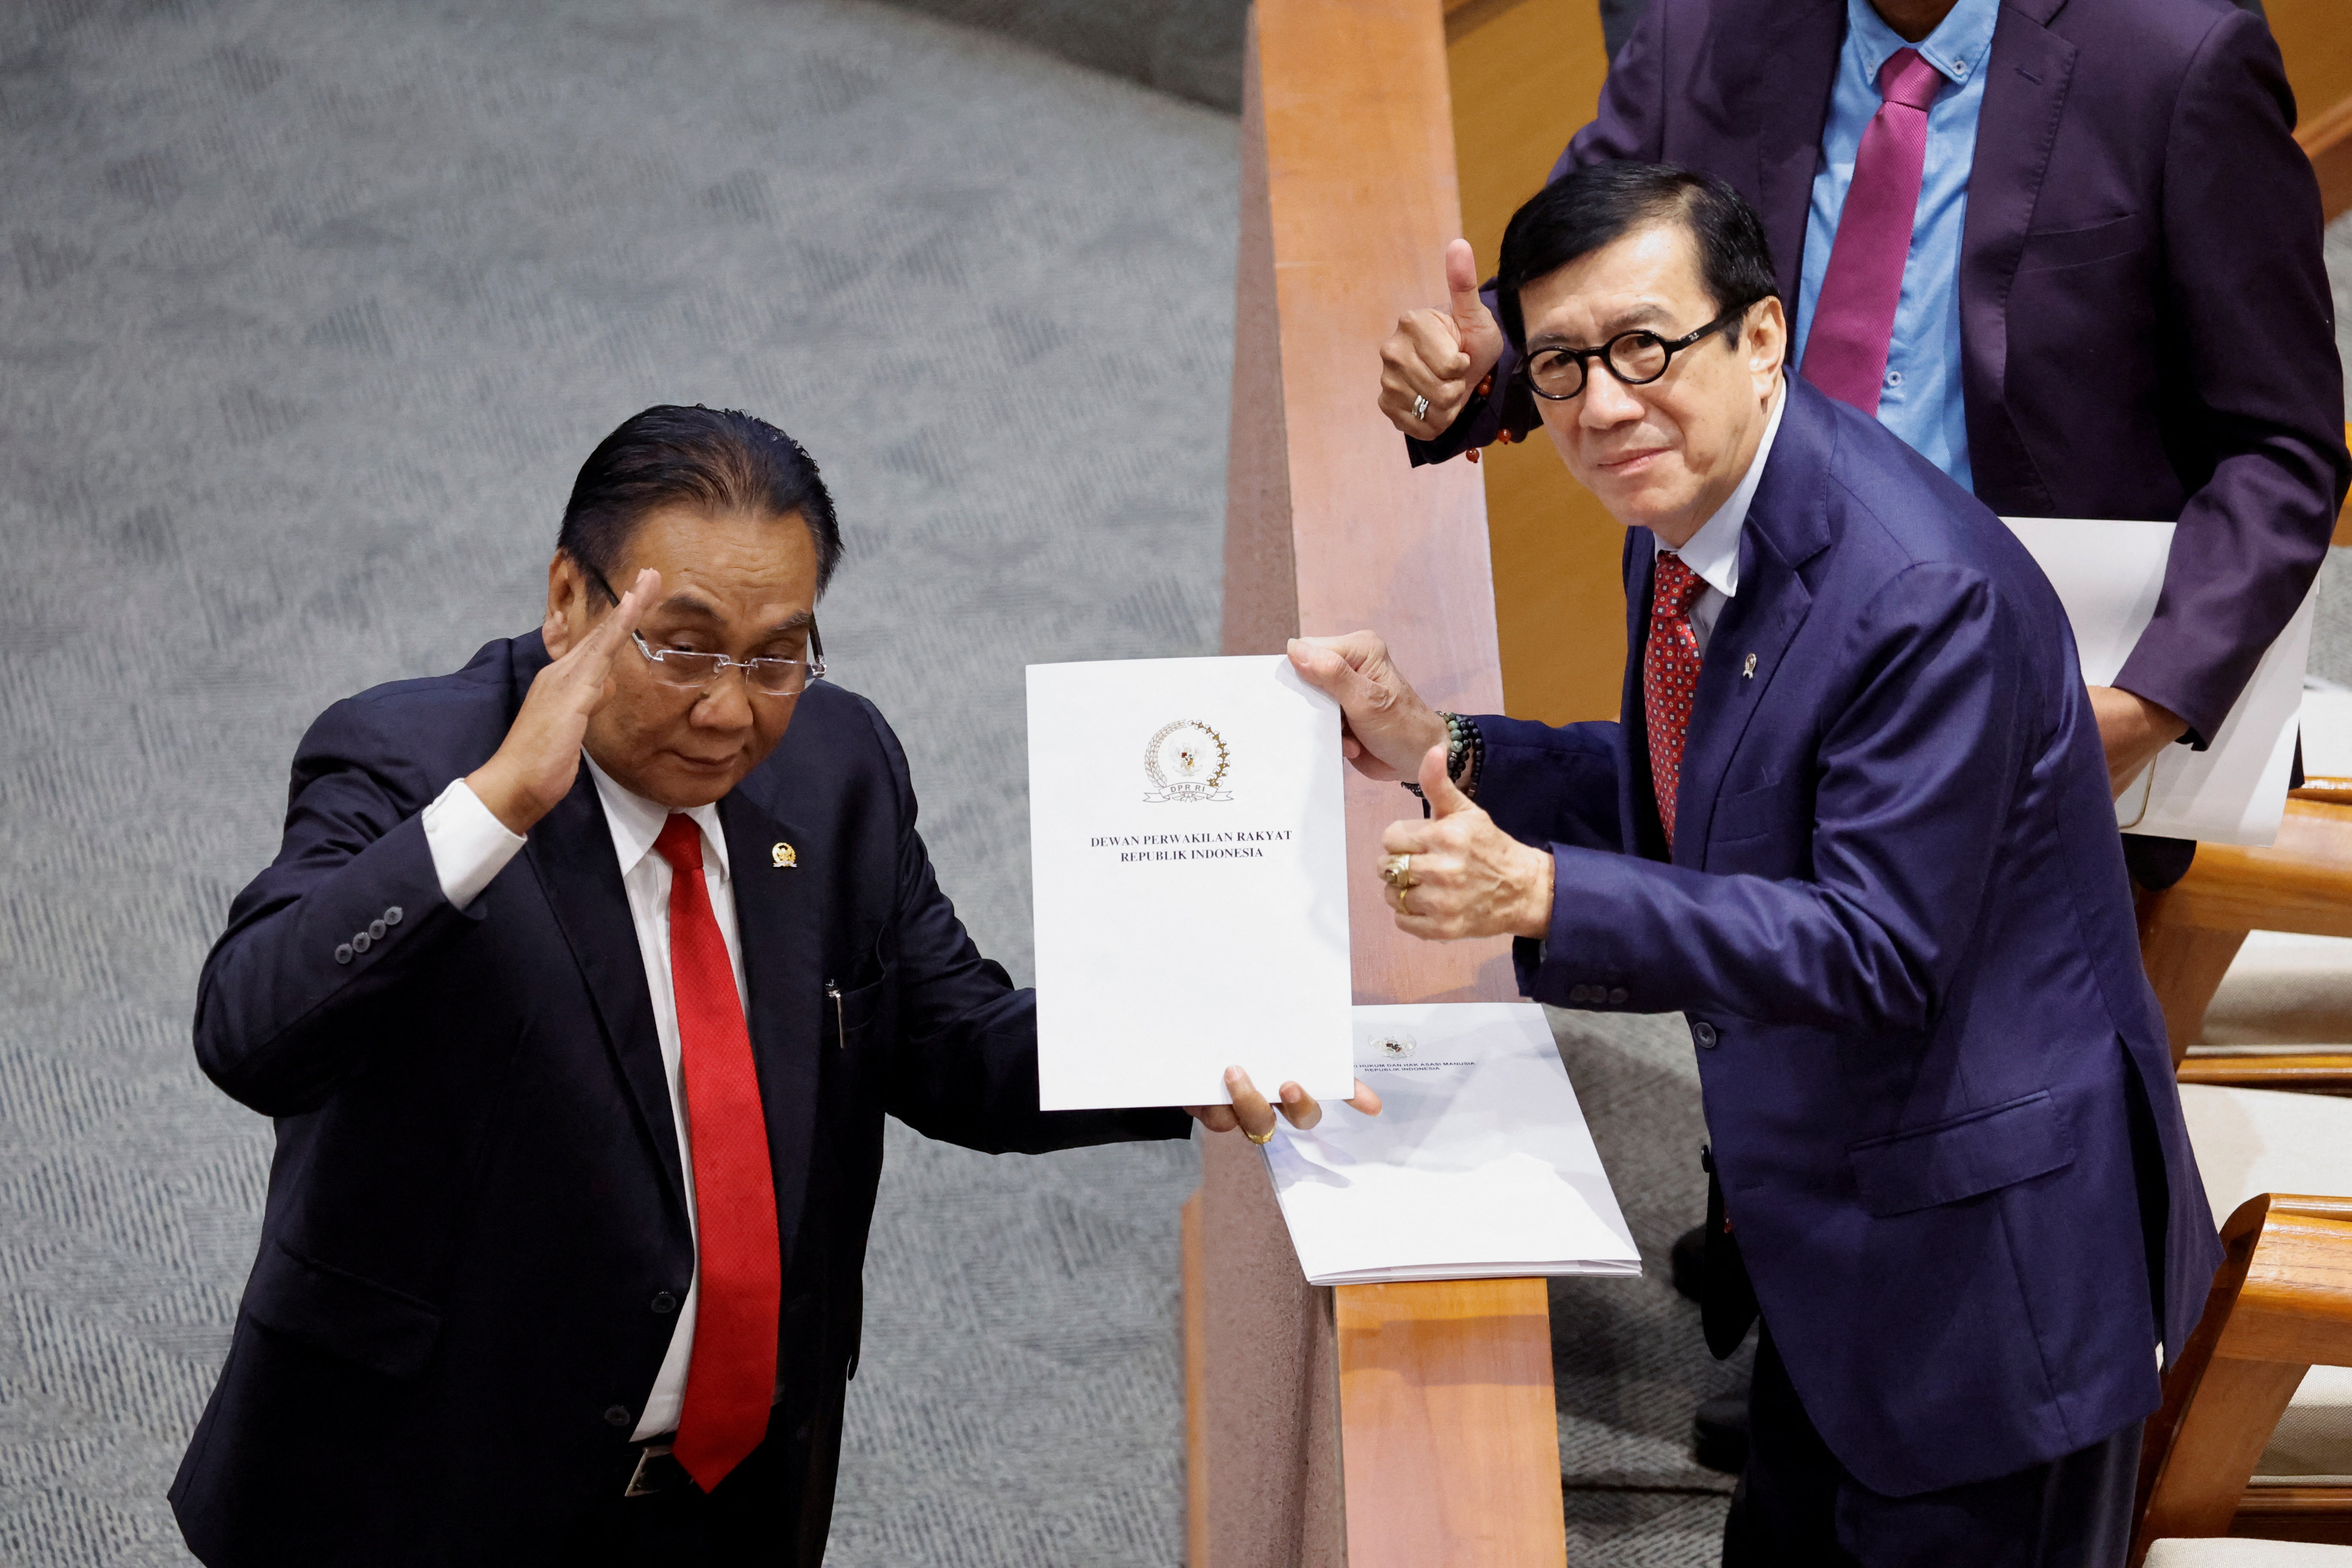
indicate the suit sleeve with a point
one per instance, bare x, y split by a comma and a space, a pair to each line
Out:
291, 1000
1628, 125
2248, 287
1917, 772
1546, 786
965, 1068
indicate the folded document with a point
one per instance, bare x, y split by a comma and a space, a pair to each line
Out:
1479, 1165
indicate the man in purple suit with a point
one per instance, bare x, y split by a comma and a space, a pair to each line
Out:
1854, 823
2067, 249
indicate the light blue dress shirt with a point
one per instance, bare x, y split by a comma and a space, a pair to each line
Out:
1920, 400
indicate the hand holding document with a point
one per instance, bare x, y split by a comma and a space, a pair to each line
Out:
1479, 1166
2108, 574
1189, 846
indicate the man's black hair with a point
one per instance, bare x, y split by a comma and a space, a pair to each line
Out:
1584, 211
716, 460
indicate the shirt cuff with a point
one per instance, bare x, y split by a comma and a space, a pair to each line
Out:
468, 845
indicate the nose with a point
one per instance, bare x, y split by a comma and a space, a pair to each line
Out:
725, 703
1607, 401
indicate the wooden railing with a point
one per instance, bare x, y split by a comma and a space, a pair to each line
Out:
1374, 1425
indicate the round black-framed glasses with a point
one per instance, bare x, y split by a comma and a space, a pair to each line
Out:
1636, 359
695, 671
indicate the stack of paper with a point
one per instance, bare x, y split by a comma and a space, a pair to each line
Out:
1479, 1165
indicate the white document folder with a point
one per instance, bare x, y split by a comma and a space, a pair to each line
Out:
2108, 575
1479, 1165
1188, 844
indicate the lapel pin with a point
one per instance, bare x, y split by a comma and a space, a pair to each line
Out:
783, 858
1748, 670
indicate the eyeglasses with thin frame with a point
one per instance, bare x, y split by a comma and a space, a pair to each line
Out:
1636, 359
695, 671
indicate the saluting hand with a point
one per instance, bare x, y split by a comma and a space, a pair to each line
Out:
1440, 354
535, 765
1464, 876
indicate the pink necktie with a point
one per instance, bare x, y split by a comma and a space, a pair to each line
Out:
1853, 319
1670, 664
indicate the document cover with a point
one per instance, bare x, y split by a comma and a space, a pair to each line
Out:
1189, 847
1479, 1165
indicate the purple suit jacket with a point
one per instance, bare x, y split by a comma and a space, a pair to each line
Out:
2146, 323
1941, 1104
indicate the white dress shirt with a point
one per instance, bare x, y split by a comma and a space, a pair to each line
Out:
469, 846
1712, 552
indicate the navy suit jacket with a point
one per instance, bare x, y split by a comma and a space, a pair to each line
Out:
1897, 917
476, 1232
2145, 324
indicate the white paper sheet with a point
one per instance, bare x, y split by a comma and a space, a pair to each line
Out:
1479, 1165
1188, 844
2108, 575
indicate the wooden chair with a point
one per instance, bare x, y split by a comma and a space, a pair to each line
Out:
2281, 1303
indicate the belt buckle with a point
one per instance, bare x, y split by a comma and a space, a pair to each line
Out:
656, 1472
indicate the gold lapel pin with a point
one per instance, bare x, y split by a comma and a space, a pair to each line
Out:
783, 858
1748, 671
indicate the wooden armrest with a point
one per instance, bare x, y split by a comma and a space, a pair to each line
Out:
2304, 1074
2327, 139
2302, 883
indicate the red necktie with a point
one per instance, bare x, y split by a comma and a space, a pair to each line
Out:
730, 1380
1670, 679
1854, 319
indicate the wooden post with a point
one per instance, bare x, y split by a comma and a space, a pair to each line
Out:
1407, 1425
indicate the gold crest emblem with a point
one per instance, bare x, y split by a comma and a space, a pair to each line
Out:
1186, 761
783, 858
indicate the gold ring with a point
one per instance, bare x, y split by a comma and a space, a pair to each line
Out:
1254, 1138
1397, 872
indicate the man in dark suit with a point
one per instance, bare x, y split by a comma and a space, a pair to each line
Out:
2108, 297
1854, 822
579, 990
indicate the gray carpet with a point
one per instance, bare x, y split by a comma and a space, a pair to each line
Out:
315, 306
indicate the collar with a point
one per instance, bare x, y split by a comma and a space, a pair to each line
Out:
637, 822
1957, 47
1714, 550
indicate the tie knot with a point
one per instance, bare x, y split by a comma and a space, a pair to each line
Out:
1678, 587
1908, 80
680, 843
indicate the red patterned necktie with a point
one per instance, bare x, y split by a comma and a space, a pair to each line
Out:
730, 1379
1670, 679
1854, 319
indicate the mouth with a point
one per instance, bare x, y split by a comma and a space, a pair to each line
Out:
1631, 462
704, 765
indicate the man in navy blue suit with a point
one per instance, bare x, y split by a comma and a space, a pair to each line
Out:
1854, 823
579, 990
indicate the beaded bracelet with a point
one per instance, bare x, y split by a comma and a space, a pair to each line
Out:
1466, 753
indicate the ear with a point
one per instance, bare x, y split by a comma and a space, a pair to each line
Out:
1766, 336
568, 601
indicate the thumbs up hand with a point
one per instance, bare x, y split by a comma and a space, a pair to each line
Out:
1440, 355
1460, 875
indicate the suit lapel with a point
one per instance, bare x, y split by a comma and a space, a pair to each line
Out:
572, 851
1783, 530
1790, 103
2024, 99
1638, 803
779, 919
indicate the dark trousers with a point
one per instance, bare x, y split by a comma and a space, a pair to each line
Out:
1797, 1505
772, 1511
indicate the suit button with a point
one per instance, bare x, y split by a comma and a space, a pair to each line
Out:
664, 1303
616, 1416
375, 931
392, 916
1703, 1035
360, 941
1619, 996
1580, 993
343, 953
